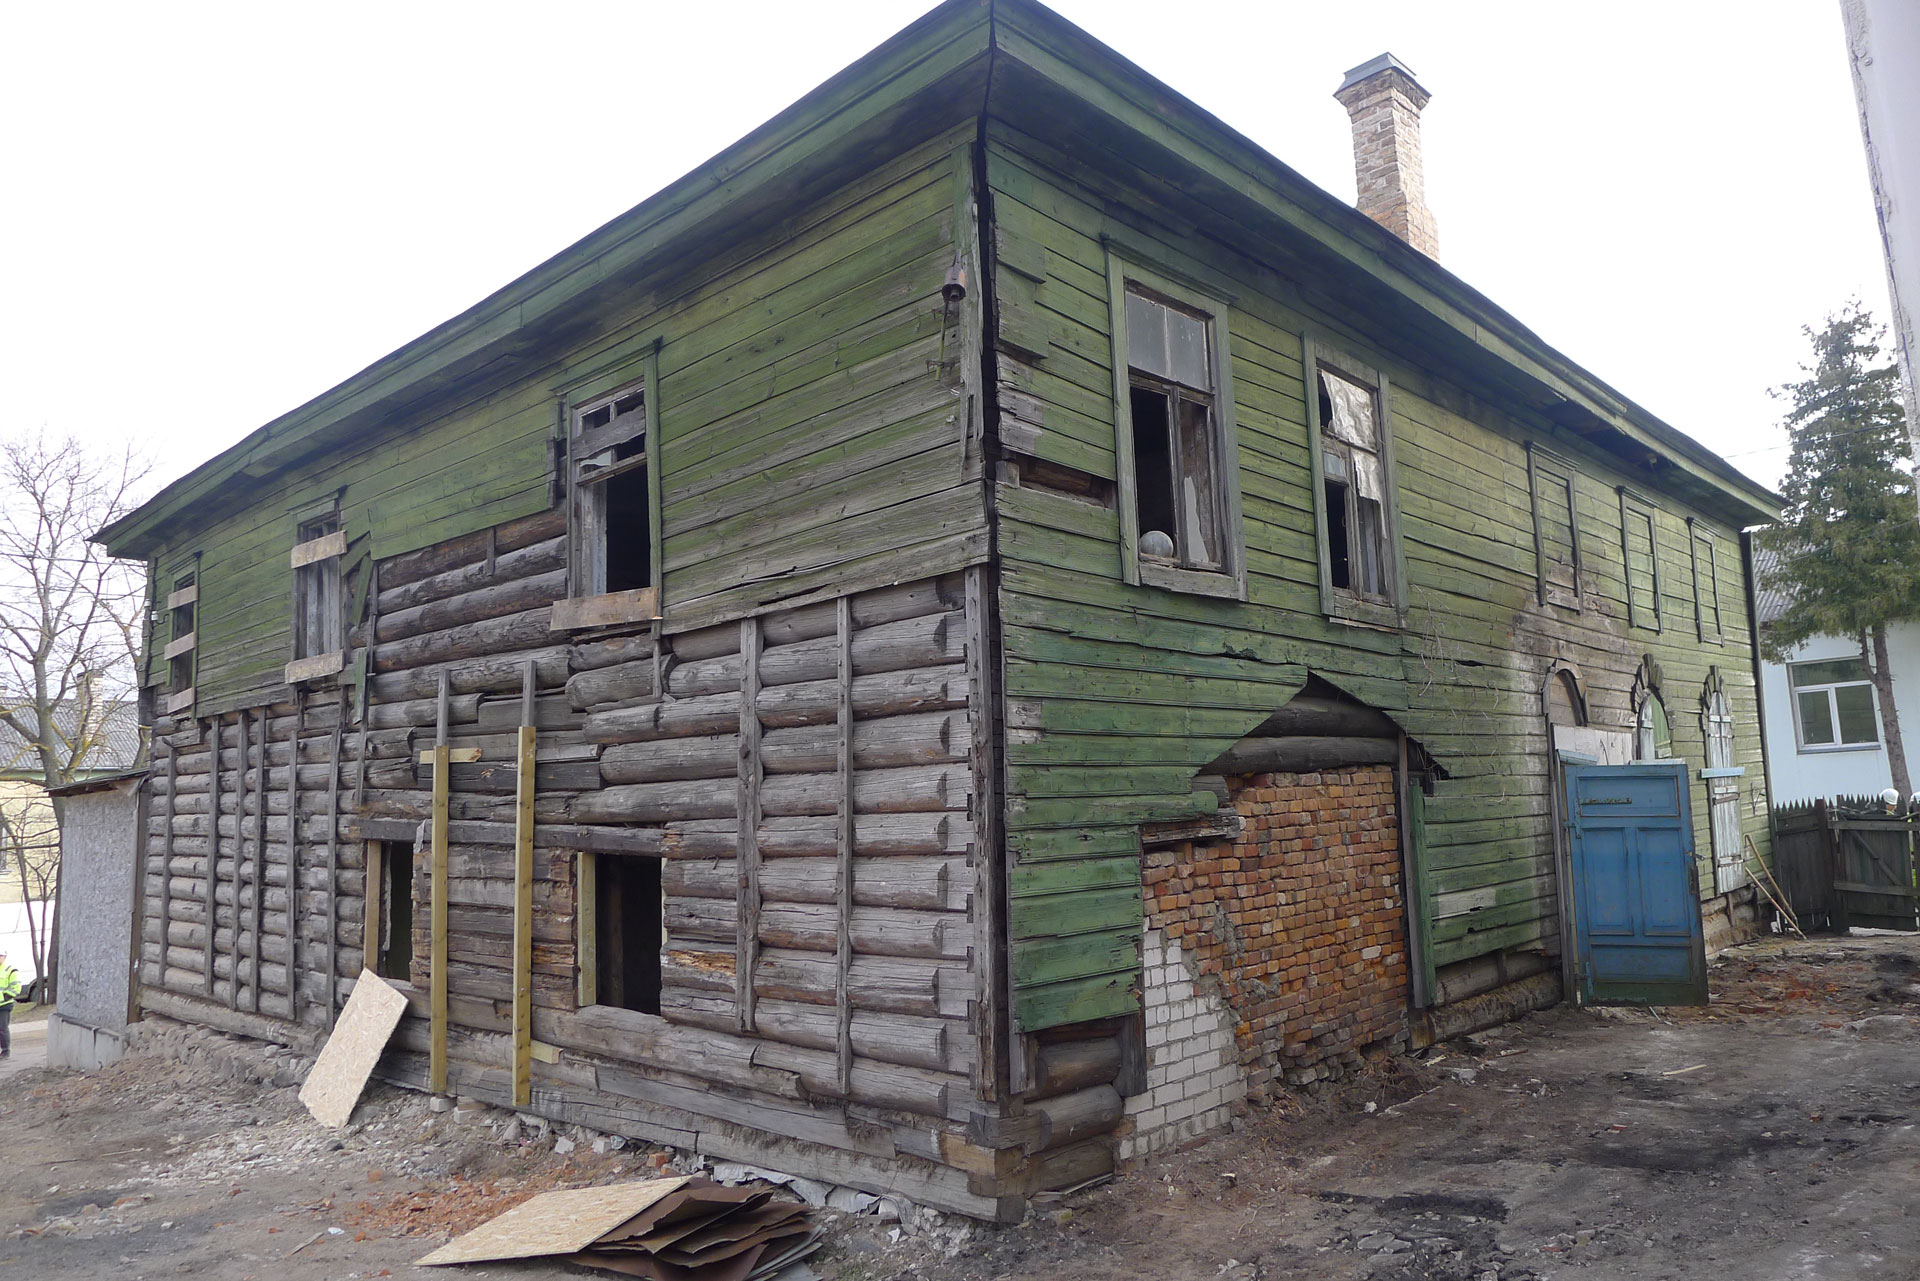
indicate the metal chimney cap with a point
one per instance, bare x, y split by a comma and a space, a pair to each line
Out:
1373, 67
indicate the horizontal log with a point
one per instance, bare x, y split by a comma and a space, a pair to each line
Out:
1064, 1066
897, 984
523, 631
920, 788
1326, 718
477, 605
609, 651
934, 640
412, 567
619, 683
1303, 754
489, 674
932, 884
520, 563
462, 709
869, 609
886, 694
889, 1038
1078, 1115
888, 742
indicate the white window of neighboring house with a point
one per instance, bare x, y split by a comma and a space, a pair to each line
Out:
319, 613
1834, 708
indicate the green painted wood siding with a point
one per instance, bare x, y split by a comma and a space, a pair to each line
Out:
812, 436
1117, 695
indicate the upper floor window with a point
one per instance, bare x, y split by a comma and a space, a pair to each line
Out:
1556, 529
183, 640
613, 512
319, 613
1833, 705
1176, 458
1350, 438
1640, 552
1706, 582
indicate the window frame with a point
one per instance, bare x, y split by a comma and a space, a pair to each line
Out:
588, 603
1543, 465
1829, 688
316, 560
1230, 579
1699, 535
1339, 602
182, 645
587, 935
1633, 505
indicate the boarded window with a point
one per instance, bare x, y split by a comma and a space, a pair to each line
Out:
613, 527
1556, 531
319, 620
1176, 465
1834, 705
1706, 583
182, 633
1640, 548
1356, 503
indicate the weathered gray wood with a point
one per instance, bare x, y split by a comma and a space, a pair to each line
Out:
490, 674
915, 789
1064, 1066
293, 845
241, 722
748, 804
620, 683
932, 640
886, 694
482, 603
889, 742
984, 737
844, 750
1326, 717
520, 563
413, 567
525, 630
333, 868
1303, 754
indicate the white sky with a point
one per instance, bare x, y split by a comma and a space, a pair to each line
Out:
214, 213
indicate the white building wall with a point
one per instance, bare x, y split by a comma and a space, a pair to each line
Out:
1794, 775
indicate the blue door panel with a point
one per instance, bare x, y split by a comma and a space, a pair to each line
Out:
1637, 931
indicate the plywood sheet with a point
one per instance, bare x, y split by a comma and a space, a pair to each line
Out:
345, 1063
563, 1222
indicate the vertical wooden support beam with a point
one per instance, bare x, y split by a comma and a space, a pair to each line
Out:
260, 857
747, 938
843, 878
166, 855
366, 684
437, 920
656, 455
293, 858
523, 901
586, 929
333, 862
373, 905
989, 854
213, 853
240, 723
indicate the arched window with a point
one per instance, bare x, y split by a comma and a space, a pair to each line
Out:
1565, 705
1723, 785
1653, 737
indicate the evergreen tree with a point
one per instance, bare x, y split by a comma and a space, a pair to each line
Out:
1849, 539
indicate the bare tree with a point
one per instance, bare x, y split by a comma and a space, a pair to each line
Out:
69, 630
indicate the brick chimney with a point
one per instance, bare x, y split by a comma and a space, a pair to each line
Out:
1385, 101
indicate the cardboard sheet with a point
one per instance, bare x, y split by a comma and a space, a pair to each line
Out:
564, 1222
346, 1061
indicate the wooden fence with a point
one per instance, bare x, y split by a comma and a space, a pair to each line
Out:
1846, 863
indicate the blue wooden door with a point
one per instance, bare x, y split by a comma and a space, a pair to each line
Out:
1636, 904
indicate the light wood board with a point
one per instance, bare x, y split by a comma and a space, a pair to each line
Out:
563, 1222
347, 1059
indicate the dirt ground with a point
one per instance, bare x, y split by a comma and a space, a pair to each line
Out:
1769, 1135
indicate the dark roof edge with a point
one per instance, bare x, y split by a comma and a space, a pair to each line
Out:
98, 783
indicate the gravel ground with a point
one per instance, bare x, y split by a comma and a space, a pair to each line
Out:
1769, 1135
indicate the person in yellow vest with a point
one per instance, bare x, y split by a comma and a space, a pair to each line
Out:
9, 993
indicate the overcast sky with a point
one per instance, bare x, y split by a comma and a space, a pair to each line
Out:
215, 213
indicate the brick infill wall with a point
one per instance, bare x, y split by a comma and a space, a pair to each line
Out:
1284, 951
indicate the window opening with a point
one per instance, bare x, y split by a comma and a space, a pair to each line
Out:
1834, 705
1556, 530
1639, 541
1706, 586
394, 959
319, 624
1177, 492
1353, 476
1653, 737
1723, 790
182, 624
628, 910
612, 525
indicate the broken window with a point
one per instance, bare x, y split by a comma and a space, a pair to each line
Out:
1175, 455
1833, 705
621, 931
613, 529
393, 948
1639, 545
1706, 583
1356, 502
319, 618
183, 608
1556, 529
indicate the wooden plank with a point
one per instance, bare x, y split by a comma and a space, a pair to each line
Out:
553, 1223
213, 848
523, 904
166, 843
314, 667
325, 547
586, 931
843, 869
437, 921
639, 605
989, 955
656, 449
293, 854
347, 1060
333, 861
747, 819
373, 890
241, 722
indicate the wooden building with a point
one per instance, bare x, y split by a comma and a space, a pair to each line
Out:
949, 645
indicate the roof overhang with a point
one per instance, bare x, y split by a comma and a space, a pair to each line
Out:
1022, 63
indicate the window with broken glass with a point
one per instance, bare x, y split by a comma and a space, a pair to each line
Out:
1352, 458
1179, 500
319, 620
610, 468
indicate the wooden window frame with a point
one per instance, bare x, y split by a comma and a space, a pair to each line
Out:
1633, 506
315, 560
1544, 466
185, 594
1230, 579
586, 944
588, 603
1700, 535
1316, 353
